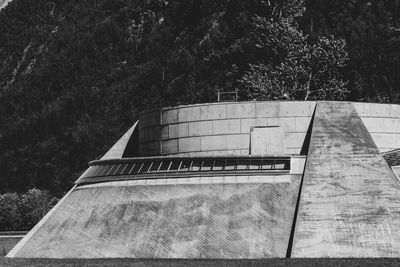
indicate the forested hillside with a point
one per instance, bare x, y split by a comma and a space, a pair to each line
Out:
372, 32
3, 3
73, 74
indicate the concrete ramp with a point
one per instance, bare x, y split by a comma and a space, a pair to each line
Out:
349, 204
208, 217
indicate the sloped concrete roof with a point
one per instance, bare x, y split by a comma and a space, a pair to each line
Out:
346, 204
349, 203
217, 219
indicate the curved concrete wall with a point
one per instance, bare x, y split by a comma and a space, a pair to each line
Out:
221, 128
224, 128
382, 122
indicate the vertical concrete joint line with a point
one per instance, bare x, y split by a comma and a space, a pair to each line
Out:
307, 144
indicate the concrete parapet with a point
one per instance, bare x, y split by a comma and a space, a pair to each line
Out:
288, 124
296, 108
292, 140
217, 142
189, 144
213, 120
386, 141
169, 116
199, 128
189, 114
238, 141
377, 110
178, 130
170, 146
267, 109
226, 127
241, 110
246, 124
213, 112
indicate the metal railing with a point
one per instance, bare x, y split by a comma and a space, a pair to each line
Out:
140, 167
227, 96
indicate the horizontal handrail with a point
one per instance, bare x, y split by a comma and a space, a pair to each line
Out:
174, 166
113, 160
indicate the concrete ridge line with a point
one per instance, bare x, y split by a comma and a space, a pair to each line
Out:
304, 149
26, 238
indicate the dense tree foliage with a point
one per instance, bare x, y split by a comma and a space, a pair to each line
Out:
296, 67
73, 74
372, 32
20, 212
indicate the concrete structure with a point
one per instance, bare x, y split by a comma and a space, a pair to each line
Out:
350, 201
236, 180
223, 128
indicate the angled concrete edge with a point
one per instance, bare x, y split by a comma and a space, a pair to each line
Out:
349, 200
117, 150
26, 238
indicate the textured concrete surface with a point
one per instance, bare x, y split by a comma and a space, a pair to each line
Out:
396, 170
349, 205
200, 262
126, 219
297, 164
266, 141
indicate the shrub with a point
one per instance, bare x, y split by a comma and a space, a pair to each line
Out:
33, 205
10, 216
22, 211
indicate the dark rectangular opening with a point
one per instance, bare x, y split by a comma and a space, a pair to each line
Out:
121, 168
106, 170
132, 168
282, 165
196, 165
242, 164
255, 164
146, 166
164, 166
112, 170
219, 165
207, 165
230, 165
155, 166
175, 166
185, 166
267, 164
115, 169
172, 165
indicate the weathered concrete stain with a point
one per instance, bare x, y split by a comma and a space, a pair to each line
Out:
170, 221
350, 200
